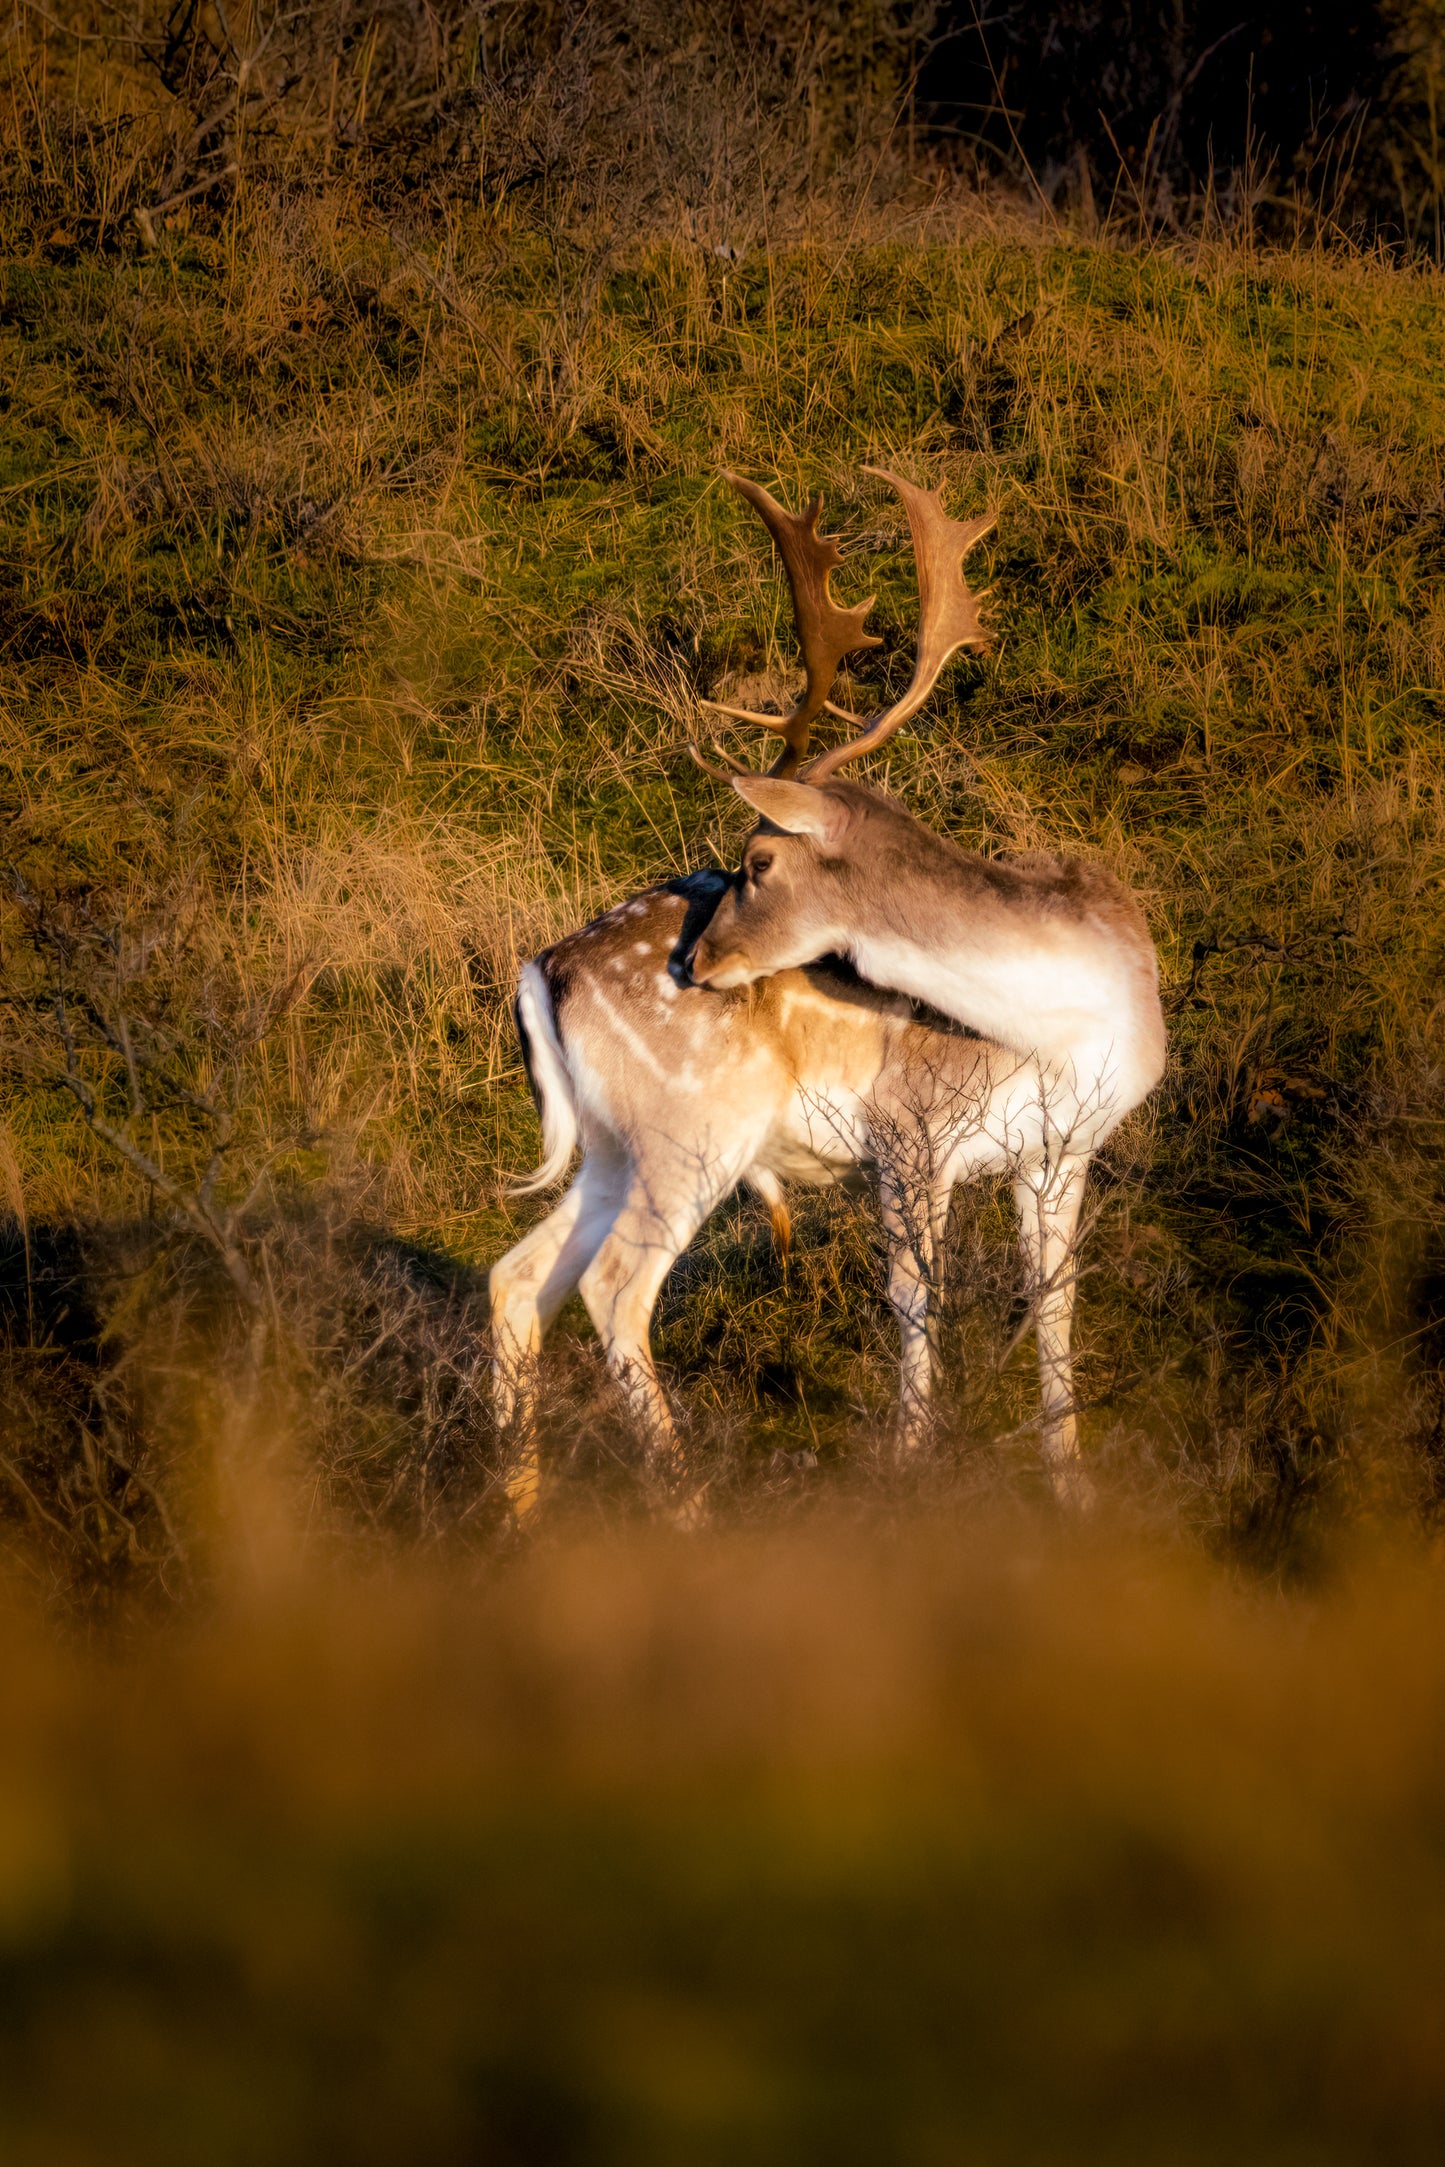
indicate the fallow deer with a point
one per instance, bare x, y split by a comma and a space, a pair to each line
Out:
678, 1095
1049, 956
648, 1039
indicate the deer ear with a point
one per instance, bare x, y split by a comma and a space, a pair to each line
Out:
798, 809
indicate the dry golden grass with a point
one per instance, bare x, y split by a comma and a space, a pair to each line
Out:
361, 575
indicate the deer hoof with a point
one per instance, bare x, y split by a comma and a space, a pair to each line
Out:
687, 1506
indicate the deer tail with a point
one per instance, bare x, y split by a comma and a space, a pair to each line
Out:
545, 1060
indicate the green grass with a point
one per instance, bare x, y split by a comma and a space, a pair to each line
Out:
358, 585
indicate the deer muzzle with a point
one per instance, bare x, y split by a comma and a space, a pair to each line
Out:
719, 970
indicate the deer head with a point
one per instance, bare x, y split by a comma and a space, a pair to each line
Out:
787, 905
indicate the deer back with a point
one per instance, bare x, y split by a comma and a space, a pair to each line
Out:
802, 1070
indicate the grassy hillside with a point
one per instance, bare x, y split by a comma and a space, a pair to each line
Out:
364, 557
359, 581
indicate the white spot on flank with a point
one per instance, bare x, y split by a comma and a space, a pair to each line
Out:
642, 948
667, 989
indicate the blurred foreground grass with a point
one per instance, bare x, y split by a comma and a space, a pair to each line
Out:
847, 1843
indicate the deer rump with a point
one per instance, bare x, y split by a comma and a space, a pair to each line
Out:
677, 1095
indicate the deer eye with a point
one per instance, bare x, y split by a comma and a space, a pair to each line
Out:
757, 867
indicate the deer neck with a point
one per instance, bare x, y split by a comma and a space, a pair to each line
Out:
1046, 982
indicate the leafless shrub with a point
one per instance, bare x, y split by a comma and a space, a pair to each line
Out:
127, 1392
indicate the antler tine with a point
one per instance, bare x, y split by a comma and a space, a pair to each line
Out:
826, 633
947, 614
719, 774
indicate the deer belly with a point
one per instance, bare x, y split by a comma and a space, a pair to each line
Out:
819, 1139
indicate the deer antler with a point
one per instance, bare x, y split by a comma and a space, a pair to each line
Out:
825, 632
948, 615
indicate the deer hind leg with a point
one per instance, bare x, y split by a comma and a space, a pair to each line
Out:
620, 1287
1049, 1201
528, 1286
914, 1219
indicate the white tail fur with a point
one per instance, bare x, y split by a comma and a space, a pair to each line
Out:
547, 1068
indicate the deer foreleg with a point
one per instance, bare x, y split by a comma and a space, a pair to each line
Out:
913, 1220
1049, 1203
